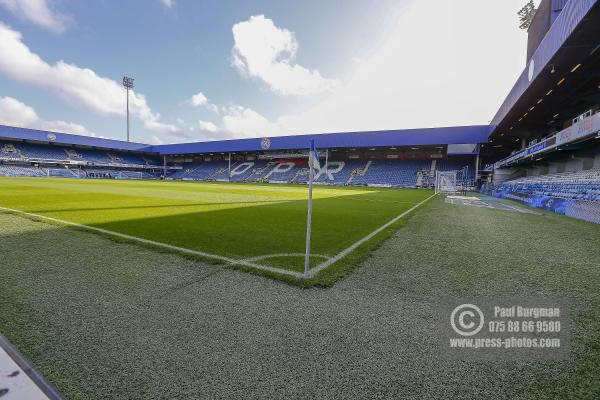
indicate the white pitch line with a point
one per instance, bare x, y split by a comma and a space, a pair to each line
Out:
283, 255
228, 260
353, 247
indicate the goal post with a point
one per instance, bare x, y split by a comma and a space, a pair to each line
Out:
446, 182
457, 181
130, 175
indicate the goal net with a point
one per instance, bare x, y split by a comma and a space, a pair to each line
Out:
446, 182
457, 181
130, 175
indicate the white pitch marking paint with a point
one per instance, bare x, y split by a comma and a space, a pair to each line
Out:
280, 168
365, 239
463, 197
227, 260
283, 255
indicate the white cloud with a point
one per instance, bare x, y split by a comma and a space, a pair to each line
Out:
168, 3
448, 76
264, 51
207, 126
212, 107
155, 140
37, 11
199, 99
245, 122
80, 86
16, 113
442, 64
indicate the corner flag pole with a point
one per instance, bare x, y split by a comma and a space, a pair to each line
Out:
327, 166
311, 155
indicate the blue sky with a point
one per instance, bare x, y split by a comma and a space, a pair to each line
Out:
207, 70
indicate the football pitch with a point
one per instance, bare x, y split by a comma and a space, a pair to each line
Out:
250, 226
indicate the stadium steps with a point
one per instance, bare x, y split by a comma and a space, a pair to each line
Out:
259, 172
366, 169
301, 173
221, 174
359, 172
9, 151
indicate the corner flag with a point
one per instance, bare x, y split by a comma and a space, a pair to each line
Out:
313, 162
315, 156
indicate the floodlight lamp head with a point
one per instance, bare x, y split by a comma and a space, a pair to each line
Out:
128, 82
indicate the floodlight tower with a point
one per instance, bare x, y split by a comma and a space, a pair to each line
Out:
127, 84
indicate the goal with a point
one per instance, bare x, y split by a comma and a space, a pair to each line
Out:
130, 175
458, 181
446, 182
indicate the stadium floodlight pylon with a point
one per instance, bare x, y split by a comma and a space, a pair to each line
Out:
128, 85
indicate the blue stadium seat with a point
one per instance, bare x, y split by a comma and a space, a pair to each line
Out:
397, 173
581, 185
393, 172
21, 170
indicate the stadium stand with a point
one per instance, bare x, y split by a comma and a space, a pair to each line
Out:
9, 152
115, 173
391, 173
20, 170
338, 173
64, 155
243, 171
32, 159
76, 162
283, 172
132, 159
29, 151
581, 185
199, 172
99, 173
260, 171
222, 173
95, 157
185, 170
452, 164
399, 173
41, 152
152, 161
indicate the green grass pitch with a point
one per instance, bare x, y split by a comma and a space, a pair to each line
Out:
265, 224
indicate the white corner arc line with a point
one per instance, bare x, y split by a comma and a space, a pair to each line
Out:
283, 255
227, 260
353, 246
